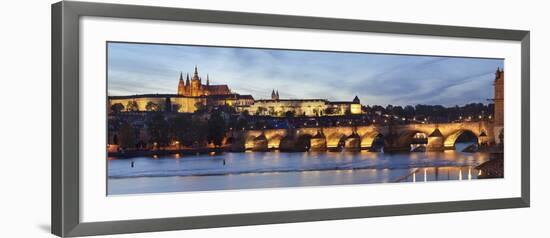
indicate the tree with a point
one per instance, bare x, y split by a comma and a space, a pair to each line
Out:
132, 106
239, 123
152, 107
289, 114
126, 135
117, 107
245, 113
408, 111
216, 128
158, 129
398, 111
272, 111
261, 111
198, 132
167, 107
200, 107
176, 107
180, 128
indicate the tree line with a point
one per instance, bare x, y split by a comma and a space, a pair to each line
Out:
164, 129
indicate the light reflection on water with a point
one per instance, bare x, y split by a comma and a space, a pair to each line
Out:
178, 173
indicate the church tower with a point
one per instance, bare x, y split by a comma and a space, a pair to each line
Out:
181, 86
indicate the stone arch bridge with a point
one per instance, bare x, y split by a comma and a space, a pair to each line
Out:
437, 137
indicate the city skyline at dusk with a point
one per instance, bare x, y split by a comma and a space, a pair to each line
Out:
380, 79
180, 118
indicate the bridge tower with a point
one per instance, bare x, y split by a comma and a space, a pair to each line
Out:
499, 104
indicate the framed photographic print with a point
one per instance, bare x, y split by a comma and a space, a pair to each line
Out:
168, 119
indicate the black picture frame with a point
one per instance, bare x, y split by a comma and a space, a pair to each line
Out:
65, 118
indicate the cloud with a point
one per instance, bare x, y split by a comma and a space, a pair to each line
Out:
375, 78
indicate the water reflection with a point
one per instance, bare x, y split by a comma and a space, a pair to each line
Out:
279, 169
440, 173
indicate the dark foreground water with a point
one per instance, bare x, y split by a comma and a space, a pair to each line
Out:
278, 169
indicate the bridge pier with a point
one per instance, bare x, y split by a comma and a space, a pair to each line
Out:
237, 147
435, 141
260, 145
318, 144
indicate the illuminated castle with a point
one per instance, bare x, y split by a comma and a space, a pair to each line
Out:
192, 94
194, 87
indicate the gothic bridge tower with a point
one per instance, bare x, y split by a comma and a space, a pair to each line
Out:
499, 104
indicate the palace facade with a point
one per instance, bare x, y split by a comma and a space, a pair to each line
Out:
303, 107
192, 94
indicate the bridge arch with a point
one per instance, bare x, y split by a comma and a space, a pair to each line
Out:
335, 139
368, 139
274, 141
353, 142
451, 139
318, 142
249, 142
406, 138
419, 142
256, 143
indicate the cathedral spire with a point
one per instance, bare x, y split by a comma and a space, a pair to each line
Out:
187, 80
274, 96
207, 80
181, 85
196, 71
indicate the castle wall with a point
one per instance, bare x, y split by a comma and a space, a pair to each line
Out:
187, 104
141, 102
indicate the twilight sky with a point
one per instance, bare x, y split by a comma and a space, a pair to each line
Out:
376, 78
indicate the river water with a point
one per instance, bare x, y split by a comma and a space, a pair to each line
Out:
173, 173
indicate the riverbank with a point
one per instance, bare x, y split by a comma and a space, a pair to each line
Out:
152, 153
493, 168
